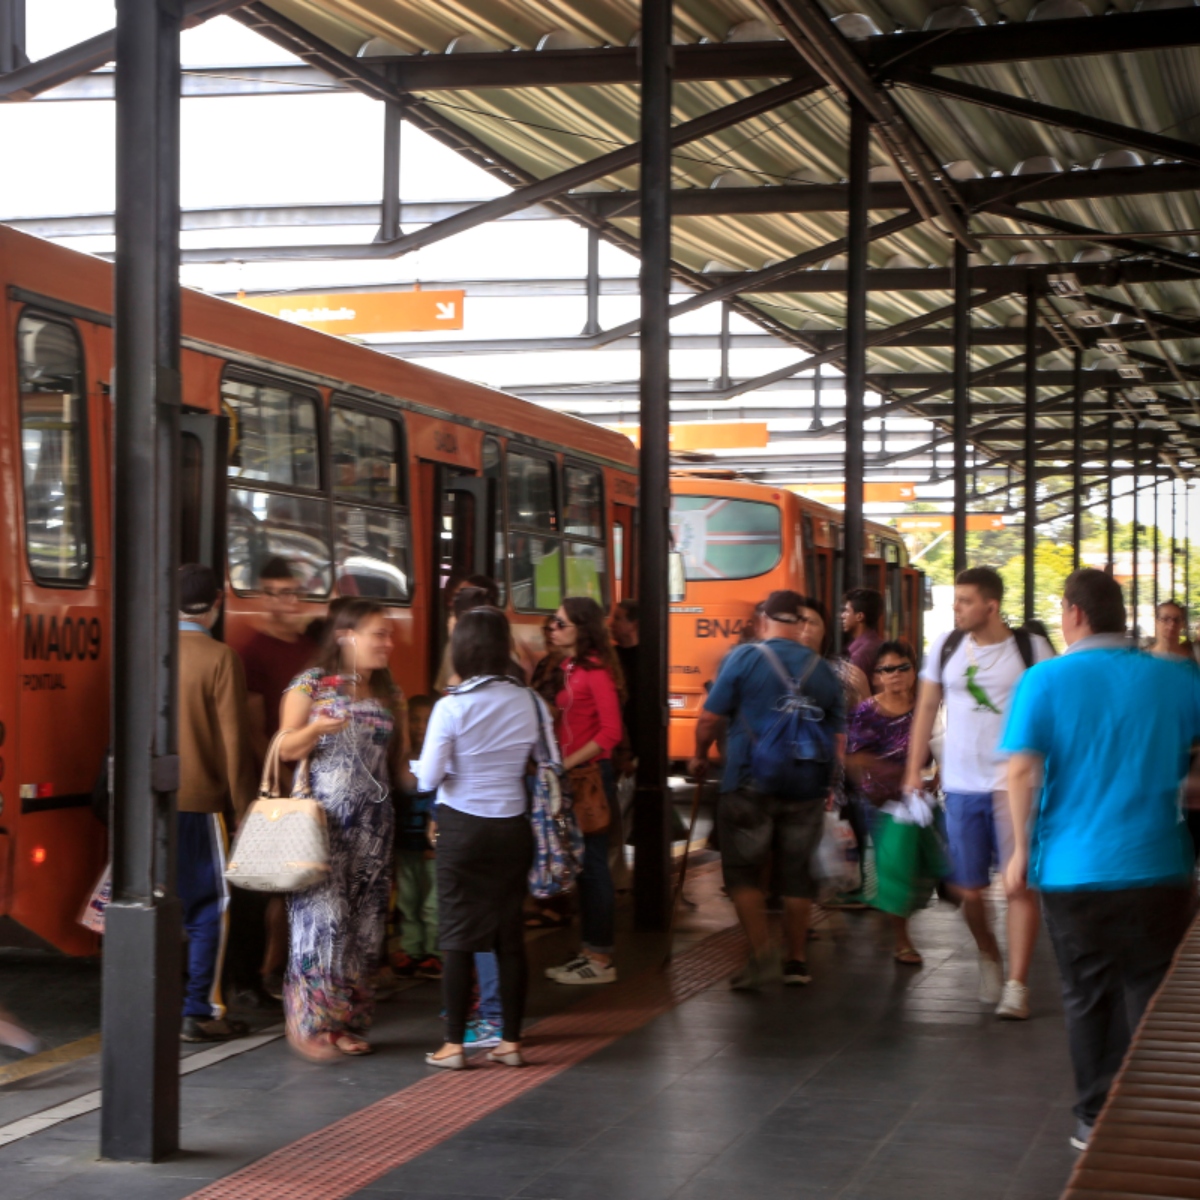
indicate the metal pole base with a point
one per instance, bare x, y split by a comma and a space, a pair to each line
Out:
652, 858
143, 963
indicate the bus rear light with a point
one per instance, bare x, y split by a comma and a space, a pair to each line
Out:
677, 702
37, 855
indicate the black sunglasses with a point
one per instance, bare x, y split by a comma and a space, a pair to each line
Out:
898, 669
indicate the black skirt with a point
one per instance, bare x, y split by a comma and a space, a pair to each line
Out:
482, 877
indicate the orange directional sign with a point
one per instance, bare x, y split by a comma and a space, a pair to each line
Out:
944, 522
366, 312
873, 493
709, 435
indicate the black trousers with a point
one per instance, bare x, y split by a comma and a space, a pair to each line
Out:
1113, 949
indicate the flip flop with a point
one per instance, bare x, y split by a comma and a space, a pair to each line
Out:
909, 957
317, 1049
352, 1045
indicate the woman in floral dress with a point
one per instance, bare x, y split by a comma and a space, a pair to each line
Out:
348, 719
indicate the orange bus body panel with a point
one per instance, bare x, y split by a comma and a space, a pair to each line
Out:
54, 704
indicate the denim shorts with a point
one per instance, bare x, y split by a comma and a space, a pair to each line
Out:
754, 825
979, 832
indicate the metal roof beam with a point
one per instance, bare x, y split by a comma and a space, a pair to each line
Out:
281, 79
715, 62
1179, 325
1027, 41
533, 193
978, 194
55, 69
1109, 131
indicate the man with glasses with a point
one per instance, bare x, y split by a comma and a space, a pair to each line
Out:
975, 669
275, 654
1099, 742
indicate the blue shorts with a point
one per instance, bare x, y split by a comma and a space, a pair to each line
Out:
979, 832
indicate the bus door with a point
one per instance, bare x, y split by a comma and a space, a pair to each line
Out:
894, 591
624, 551
203, 454
462, 540
204, 444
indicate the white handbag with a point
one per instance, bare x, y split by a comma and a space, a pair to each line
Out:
282, 844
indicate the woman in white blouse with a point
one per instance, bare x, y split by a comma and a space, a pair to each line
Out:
476, 752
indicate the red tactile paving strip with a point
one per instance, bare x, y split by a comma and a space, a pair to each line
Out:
352, 1153
1146, 1143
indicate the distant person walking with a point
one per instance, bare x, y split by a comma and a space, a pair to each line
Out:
1107, 731
1170, 632
862, 612
216, 779
975, 670
756, 823
477, 748
347, 718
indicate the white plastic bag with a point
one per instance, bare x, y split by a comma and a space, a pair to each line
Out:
836, 860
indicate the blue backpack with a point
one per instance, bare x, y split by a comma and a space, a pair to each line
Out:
557, 842
793, 758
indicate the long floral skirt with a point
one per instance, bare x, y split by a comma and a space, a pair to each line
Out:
337, 927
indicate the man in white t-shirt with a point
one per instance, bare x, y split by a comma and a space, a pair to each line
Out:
975, 670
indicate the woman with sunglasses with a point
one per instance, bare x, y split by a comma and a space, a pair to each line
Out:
589, 729
877, 737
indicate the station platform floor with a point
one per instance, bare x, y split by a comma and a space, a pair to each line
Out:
876, 1082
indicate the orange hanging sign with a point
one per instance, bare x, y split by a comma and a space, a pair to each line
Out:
708, 435
366, 312
873, 493
944, 523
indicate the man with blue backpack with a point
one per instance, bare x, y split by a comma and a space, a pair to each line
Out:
783, 708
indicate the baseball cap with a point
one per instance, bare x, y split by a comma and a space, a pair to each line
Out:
784, 605
198, 588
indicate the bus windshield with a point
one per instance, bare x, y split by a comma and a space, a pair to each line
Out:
725, 539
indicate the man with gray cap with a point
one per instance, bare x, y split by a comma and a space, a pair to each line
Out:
216, 777
766, 690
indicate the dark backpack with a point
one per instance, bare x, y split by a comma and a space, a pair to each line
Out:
952, 643
793, 758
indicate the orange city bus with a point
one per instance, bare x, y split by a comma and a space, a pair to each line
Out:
739, 541
372, 476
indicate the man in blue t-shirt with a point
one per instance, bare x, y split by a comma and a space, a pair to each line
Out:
1108, 730
753, 824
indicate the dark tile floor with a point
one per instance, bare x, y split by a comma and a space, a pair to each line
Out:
877, 1082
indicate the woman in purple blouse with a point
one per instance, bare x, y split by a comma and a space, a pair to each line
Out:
876, 751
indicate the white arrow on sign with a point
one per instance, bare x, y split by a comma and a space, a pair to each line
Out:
446, 310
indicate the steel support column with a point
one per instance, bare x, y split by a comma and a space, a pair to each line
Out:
1187, 546
1109, 527
1154, 589
591, 325
962, 398
1030, 529
12, 35
1134, 452
1077, 480
856, 343
726, 342
389, 215
139, 1119
652, 887
1174, 593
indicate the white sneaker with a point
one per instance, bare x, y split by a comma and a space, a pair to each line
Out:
991, 981
569, 965
1014, 1004
586, 970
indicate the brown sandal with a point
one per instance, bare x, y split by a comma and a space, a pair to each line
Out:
352, 1045
320, 1048
909, 957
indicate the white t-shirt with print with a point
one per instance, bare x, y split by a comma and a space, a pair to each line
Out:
977, 707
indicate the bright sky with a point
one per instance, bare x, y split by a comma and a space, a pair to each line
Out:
318, 148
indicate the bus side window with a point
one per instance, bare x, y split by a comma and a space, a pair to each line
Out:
58, 517
276, 504
371, 521
493, 472
583, 523
534, 532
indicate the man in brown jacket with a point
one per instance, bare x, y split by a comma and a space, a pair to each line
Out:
216, 777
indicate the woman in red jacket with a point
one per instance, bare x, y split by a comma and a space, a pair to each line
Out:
589, 728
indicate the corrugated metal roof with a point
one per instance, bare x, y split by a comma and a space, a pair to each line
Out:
546, 129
